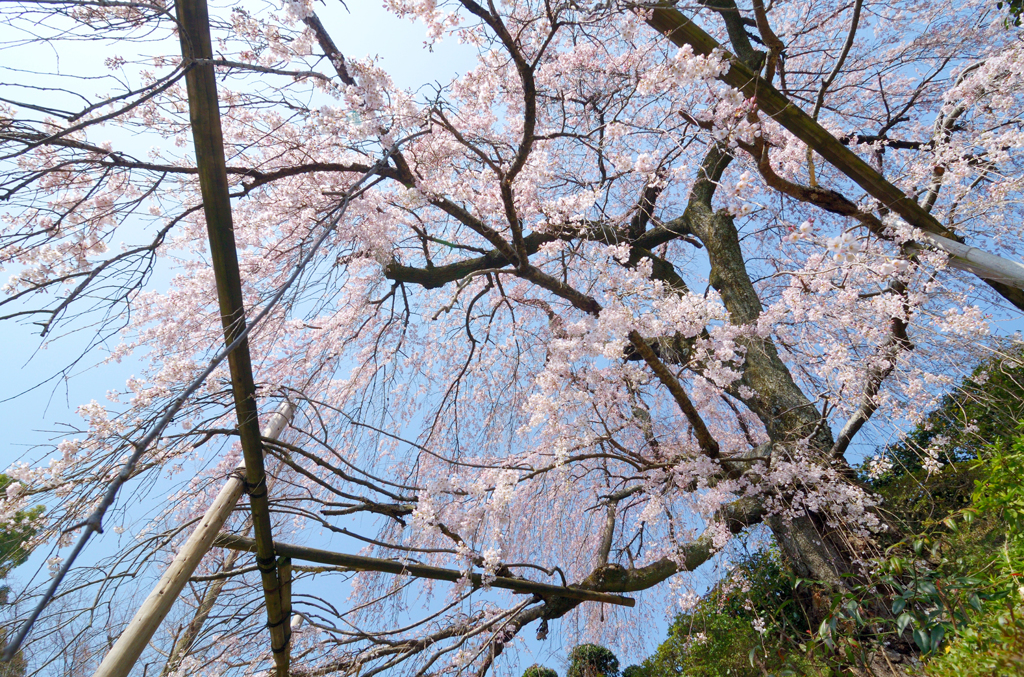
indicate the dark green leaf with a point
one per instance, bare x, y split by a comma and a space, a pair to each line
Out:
903, 621
922, 640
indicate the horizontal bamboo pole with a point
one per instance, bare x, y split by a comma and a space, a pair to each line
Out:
133, 640
361, 563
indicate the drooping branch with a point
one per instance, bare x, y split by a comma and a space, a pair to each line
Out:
556, 601
882, 365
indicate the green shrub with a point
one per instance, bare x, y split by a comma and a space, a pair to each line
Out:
992, 643
536, 670
591, 660
750, 623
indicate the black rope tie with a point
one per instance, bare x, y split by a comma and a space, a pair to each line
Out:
259, 490
287, 639
266, 565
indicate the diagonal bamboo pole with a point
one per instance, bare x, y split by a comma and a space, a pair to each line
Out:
1005, 276
129, 646
361, 563
195, 626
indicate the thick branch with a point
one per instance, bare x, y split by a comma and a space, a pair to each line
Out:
432, 277
330, 49
682, 31
707, 442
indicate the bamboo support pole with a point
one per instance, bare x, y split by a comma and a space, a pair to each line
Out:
1003, 275
129, 646
361, 563
284, 572
204, 114
981, 263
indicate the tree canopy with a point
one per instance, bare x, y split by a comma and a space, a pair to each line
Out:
636, 281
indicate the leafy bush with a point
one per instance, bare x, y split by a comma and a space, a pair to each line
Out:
993, 642
744, 626
13, 535
916, 503
591, 660
536, 670
954, 591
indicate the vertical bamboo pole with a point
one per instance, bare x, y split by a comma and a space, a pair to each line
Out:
204, 113
129, 646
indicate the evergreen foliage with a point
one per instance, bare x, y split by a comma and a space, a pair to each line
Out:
1014, 10
536, 670
13, 553
13, 536
993, 641
592, 660
986, 406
